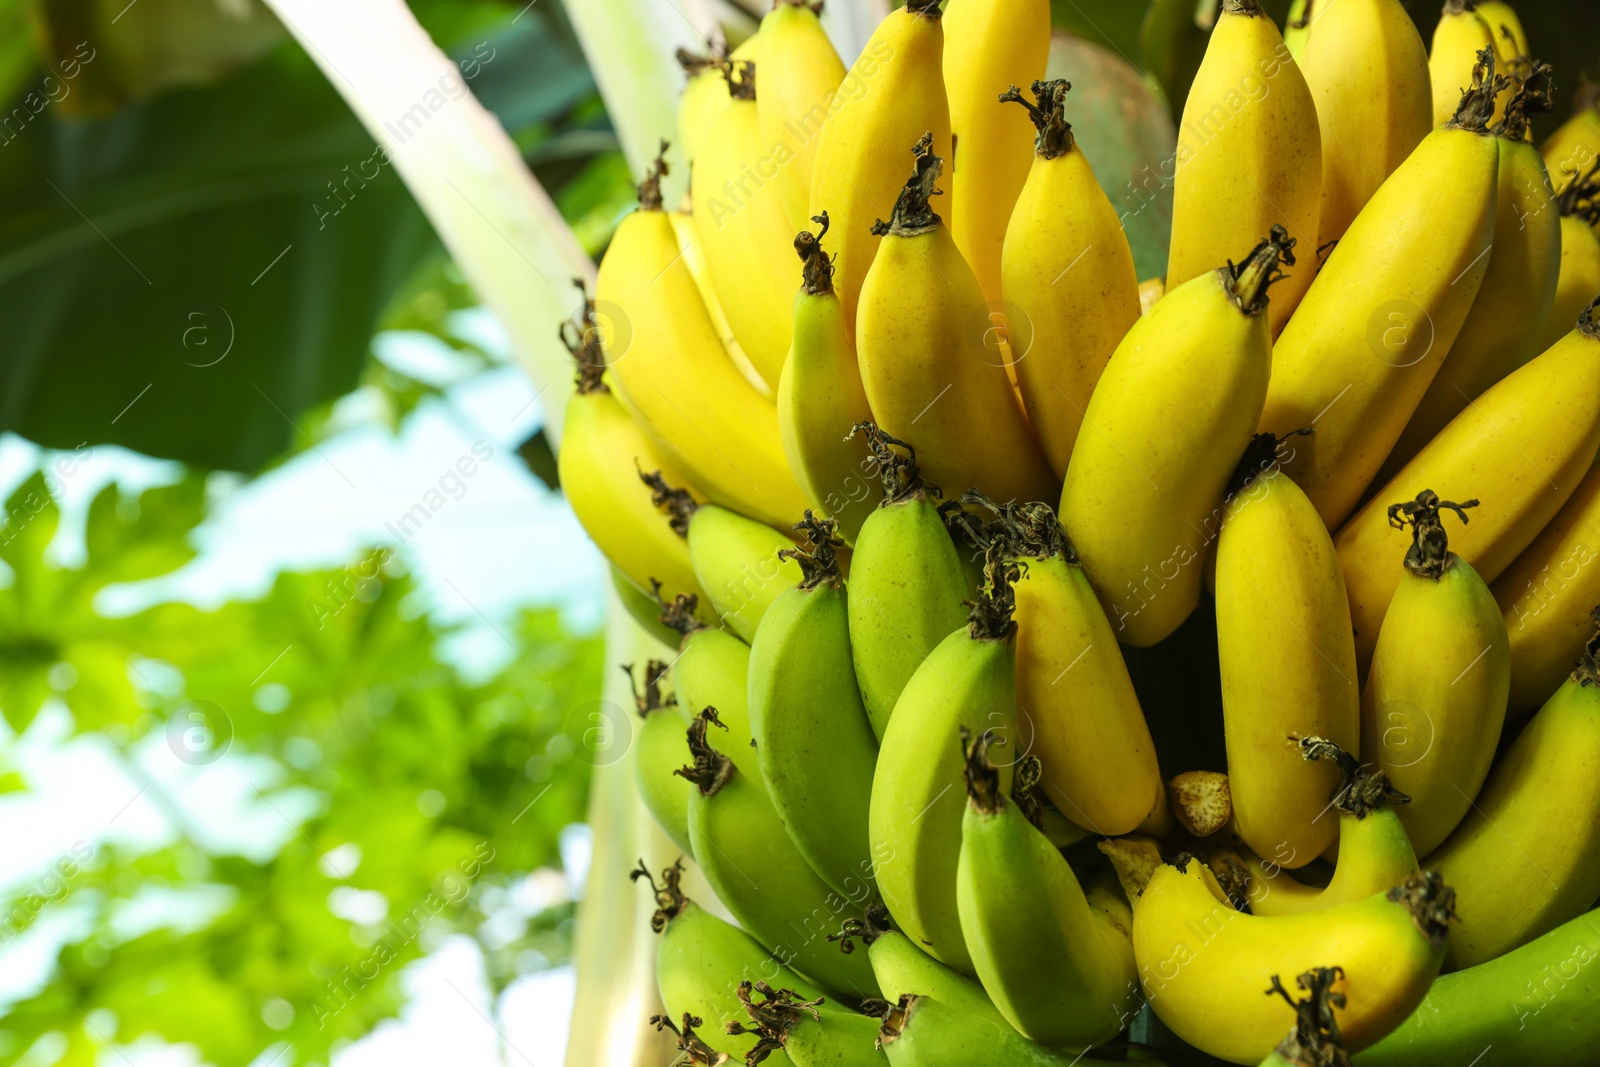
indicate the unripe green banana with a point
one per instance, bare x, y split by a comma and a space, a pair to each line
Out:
906, 581
813, 741
755, 869
736, 559
1534, 1005
921, 1032
1435, 698
664, 793
701, 960
1058, 964
902, 968
783, 1020
712, 671
969, 680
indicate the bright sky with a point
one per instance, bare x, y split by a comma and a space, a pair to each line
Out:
507, 542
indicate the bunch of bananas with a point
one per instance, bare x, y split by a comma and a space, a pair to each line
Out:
884, 432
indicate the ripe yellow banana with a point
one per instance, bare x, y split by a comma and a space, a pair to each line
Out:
1374, 851
1249, 155
712, 671
989, 45
800, 72
1458, 38
1098, 760
705, 97
893, 93
694, 255
1522, 447
921, 329
813, 741
904, 969
1579, 279
1527, 857
1387, 305
660, 754
1058, 962
701, 959
1204, 966
1173, 412
666, 356
602, 452
1288, 662
917, 798
738, 561
1435, 698
1067, 272
755, 869
906, 580
1368, 72
1546, 596
1508, 318
820, 396
1575, 146
744, 228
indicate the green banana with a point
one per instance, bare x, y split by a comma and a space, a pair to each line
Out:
906, 580
970, 680
1534, 1005
783, 1020
921, 1032
660, 755
1057, 961
755, 869
813, 741
735, 559
644, 608
901, 967
701, 960
712, 671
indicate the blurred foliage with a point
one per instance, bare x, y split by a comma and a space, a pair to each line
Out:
389, 772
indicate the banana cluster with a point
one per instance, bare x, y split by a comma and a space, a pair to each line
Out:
883, 431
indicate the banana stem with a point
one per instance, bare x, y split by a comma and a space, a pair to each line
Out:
899, 475
913, 212
1260, 456
670, 900
1049, 116
989, 616
1247, 283
583, 341
676, 503
1363, 788
778, 1012
1029, 530
649, 698
1526, 102
650, 184
695, 1051
1249, 8
1477, 101
693, 64
711, 770
817, 265
873, 924
983, 780
1432, 905
928, 9
1586, 320
741, 78
1581, 197
1429, 555
1587, 672
678, 615
819, 562
1315, 1040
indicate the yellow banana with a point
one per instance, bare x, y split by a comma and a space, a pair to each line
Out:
1522, 447
1579, 280
1575, 146
930, 379
1288, 662
1249, 155
712, 671
1387, 305
1458, 38
705, 97
800, 72
1374, 851
1435, 699
661, 749
694, 255
1508, 318
893, 93
1368, 74
666, 356
1067, 272
602, 451
1314, 1039
820, 396
1527, 858
1057, 961
989, 45
917, 799
1099, 762
1173, 412
1204, 966
907, 584
744, 228
1546, 596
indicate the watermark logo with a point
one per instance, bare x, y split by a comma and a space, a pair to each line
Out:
199, 733
601, 732
1400, 333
